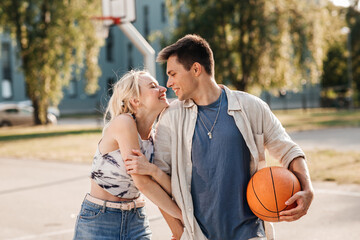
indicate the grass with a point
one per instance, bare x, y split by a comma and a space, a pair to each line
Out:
66, 148
75, 143
298, 120
330, 165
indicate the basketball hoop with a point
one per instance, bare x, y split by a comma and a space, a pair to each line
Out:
122, 13
114, 12
102, 25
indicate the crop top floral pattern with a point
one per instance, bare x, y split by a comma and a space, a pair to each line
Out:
109, 172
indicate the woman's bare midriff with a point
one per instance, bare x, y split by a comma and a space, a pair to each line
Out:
97, 192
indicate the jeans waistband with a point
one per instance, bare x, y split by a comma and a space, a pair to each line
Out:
136, 203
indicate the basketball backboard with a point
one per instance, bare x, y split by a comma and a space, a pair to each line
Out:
122, 9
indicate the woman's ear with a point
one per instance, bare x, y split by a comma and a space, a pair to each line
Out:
134, 102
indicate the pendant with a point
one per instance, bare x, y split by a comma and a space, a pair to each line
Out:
210, 135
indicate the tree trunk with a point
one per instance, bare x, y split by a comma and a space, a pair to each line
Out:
40, 112
242, 85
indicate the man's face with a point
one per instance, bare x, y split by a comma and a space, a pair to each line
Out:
180, 80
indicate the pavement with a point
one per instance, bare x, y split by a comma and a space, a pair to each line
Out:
40, 200
339, 139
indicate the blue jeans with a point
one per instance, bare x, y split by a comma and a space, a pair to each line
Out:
96, 222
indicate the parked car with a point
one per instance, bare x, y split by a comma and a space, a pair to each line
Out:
18, 114
51, 109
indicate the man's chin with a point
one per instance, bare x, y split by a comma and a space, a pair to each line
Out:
180, 98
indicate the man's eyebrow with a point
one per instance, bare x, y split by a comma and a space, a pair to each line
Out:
169, 72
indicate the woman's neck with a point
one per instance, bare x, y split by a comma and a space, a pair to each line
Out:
144, 123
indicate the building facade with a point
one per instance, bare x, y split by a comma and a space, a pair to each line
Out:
117, 56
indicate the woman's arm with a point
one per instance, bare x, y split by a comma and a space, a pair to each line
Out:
124, 131
137, 163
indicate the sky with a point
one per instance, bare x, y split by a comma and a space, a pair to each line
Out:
343, 3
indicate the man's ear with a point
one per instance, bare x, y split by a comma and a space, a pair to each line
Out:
196, 69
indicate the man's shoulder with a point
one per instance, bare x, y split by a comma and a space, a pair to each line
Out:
175, 103
246, 99
173, 109
176, 106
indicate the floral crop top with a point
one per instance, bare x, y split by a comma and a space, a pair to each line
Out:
109, 172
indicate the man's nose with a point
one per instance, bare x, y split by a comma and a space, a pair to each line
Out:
169, 83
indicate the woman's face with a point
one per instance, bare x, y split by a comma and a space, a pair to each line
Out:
152, 95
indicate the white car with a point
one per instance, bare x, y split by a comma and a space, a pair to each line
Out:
18, 114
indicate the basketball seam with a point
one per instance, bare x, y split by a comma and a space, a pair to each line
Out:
292, 193
252, 184
263, 214
276, 203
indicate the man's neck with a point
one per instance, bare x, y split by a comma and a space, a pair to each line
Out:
207, 92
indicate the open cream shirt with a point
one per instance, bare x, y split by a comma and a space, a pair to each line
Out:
173, 141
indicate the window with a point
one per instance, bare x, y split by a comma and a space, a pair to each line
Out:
146, 22
110, 84
130, 58
72, 88
109, 46
6, 89
6, 85
163, 12
12, 110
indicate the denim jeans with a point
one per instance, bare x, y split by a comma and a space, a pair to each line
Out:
96, 222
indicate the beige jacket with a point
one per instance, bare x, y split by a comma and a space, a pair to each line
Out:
173, 140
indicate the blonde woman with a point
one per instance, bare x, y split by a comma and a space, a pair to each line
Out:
114, 209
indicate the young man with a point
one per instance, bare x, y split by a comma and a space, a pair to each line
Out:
211, 141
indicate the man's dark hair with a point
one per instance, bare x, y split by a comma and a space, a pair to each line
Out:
190, 49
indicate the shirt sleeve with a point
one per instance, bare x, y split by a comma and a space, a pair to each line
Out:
277, 141
162, 143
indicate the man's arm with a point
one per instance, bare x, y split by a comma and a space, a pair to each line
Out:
162, 158
304, 197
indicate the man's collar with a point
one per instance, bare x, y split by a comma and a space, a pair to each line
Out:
188, 103
233, 102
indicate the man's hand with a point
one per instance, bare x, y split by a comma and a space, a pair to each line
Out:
137, 163
302, 198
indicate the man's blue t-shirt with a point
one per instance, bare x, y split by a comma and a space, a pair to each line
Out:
220, 173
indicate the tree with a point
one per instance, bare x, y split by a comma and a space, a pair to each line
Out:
335, 68
353, 19
56, 39
274, 43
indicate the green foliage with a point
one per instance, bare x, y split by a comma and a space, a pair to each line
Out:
353, 19
258, 43
335, 69
55, 39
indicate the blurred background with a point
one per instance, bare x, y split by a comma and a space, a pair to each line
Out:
57, 69
293, 54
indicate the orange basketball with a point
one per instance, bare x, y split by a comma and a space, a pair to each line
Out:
269, 189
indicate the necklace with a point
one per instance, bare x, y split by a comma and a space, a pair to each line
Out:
217, 115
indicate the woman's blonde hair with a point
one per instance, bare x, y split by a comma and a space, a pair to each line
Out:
124, 89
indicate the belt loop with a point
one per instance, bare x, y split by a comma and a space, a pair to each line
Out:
104, 206
86, 196
134, 205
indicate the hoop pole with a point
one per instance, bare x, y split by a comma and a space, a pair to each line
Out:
142, 45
